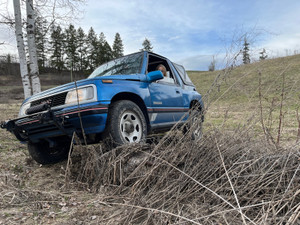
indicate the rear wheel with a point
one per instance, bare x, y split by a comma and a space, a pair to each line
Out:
126, 123
194, 123
42, 153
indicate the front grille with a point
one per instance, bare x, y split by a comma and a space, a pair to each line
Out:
46, 128
54, 100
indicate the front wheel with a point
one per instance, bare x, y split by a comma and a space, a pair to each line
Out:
42, 153
126, 123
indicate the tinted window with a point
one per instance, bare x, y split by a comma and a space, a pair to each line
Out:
130, 64
180, 69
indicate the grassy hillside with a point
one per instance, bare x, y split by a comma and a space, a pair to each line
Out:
234, 95
247, 79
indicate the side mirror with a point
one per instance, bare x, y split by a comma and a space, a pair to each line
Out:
155, 75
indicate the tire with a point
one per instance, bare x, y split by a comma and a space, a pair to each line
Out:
194, 124
43, 154
126, 124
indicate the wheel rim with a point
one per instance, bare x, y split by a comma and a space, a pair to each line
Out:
197, 128
131, 127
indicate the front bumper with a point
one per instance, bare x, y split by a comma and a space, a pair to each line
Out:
53, 123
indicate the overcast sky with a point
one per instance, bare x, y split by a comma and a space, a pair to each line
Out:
190, 32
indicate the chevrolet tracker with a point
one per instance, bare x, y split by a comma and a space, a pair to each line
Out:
123, 100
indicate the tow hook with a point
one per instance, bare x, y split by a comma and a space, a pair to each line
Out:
8, 125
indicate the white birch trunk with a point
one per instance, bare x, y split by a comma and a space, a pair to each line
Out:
33, 62
21, 50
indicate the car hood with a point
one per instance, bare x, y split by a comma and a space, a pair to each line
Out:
65, 87
60, 88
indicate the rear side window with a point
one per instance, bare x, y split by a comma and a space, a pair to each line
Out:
185, 78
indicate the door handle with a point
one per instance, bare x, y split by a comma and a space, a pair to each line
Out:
178, 92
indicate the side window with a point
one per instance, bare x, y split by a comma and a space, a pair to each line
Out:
185, 78
154, 62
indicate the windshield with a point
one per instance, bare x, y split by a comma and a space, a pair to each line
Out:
180, 69
126, 65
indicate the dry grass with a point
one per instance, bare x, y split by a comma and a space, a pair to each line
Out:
223, 178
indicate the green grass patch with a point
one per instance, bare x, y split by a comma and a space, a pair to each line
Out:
273, 83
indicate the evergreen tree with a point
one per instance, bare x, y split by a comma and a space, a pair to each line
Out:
246, 56
56, 48
108, 52
263, 55
105, 53
147, 45
41, 28
101, 51
117, 47
71, 47
82, 49
92, 48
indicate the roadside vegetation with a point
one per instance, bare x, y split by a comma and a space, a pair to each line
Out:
244, 170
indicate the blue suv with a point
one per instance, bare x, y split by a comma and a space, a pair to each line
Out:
123, 100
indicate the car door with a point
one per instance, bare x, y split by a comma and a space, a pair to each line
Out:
166, 101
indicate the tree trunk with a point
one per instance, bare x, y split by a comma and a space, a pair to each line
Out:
33, 62
21, 49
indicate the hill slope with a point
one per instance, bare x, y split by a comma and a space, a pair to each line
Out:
238, 93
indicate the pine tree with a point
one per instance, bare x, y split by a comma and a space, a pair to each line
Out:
56, 48
147, 45
263, 55
108, 52
92, 48
82, 49
41, 41
71, 47
105, 53
117, 47
246, 56
101, 51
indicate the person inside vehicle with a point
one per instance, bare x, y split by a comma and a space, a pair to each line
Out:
163, 69
166, 74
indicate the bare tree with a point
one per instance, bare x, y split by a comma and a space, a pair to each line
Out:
33, 62
21, 49
30, 79
212, 65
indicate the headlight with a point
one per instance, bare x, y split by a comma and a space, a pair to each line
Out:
23, 109
83, 94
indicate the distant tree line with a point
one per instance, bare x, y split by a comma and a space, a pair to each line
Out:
72, 49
